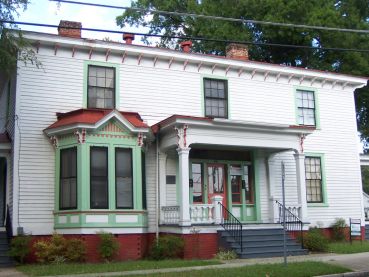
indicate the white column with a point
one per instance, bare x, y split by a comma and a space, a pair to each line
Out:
216, 199
273, 214
301, 184
184, 201
162, 180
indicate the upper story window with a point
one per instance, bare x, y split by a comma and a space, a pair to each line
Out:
306, 107
216, 98
313, 175
101, 87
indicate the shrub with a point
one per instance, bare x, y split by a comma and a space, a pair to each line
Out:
314, 240
108, 246
20, 247
167, 247
226, 255
338, 229
58, 249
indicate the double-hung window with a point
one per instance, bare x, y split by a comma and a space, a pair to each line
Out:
197, 182
101, 87
123, 178
99, 178
68, 178
306, 107
313, 175
216, 98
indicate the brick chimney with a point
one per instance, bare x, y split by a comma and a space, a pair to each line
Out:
128, 38
70, 29
186, 46
237, 51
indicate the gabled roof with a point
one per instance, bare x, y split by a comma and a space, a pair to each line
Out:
94, 118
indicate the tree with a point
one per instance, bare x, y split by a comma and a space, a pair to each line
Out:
365, 178
13, 46
350, 14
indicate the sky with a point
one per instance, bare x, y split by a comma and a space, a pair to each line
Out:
50, 12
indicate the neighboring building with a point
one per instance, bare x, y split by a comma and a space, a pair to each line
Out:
138, 140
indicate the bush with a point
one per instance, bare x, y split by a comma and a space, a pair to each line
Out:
226, 255
108, 246
338, 229
20, 248
314, 240
167, 247
58, 249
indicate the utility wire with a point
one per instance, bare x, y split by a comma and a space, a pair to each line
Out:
194, 38
288, 25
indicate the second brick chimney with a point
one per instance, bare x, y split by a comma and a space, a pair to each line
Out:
186, 46
70, 29
237, 51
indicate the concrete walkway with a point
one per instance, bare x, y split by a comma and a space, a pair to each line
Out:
357, 262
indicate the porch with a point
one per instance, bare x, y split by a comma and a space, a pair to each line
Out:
209, 165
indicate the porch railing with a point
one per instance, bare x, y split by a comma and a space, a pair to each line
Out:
232, 225
202, 213
170, 214
8, 224
293, 222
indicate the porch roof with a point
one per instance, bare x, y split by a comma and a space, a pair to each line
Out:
218, 131
94, 118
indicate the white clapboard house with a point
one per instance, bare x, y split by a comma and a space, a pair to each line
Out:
138, 140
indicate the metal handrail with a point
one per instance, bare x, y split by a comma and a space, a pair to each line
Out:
8, 224
293, 222
232, 225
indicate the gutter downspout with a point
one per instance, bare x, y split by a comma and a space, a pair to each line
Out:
157, 189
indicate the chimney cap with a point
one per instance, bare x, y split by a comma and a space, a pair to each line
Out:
186, 45
128, 37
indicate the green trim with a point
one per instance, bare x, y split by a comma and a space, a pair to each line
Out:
256, 185
316, 102
203, 76
117, 80
324, 182
141, 221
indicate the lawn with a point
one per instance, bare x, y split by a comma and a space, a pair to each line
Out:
348, 248
67, 269
301, 269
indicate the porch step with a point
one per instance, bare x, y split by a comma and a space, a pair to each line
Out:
367, 232
5, 260
262, 242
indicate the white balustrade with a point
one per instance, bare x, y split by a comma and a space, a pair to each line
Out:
202, 213
170, 214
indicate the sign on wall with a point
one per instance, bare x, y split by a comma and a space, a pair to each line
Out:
355, 228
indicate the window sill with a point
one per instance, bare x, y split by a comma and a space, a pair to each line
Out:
317, 205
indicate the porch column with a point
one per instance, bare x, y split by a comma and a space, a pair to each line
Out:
273, 212
301, 184
162, 180
184, 190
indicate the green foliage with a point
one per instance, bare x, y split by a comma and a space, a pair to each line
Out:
167, 247
108, 246
20, 248
331, 13
13, 46
338, 229
365, 177
58, 249
314, 240
349, 248
226, 255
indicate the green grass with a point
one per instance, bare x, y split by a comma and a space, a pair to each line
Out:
67, 269
348, 248
301, 269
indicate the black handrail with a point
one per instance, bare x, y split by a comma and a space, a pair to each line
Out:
8, 224
232, 225
293, 222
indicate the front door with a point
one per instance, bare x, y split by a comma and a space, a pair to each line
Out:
216, 182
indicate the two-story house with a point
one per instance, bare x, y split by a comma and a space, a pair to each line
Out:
140, 141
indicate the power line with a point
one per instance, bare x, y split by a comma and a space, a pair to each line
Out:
194, 38
289, 25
